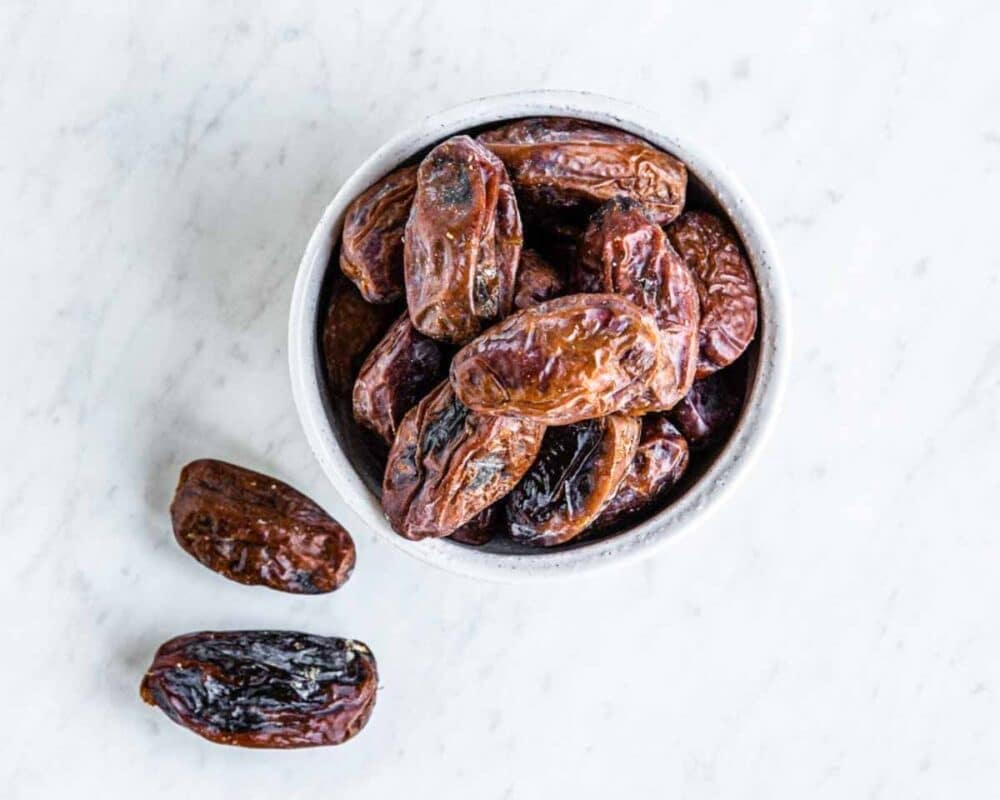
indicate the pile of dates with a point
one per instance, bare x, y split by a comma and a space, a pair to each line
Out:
538, 331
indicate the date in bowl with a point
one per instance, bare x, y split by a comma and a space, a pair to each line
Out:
354, 466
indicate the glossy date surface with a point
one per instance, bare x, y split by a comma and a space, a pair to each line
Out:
726, 287
256, 530
274, 689
712, 408
350, 330
449, 463
577, 471
462, 242
624, 251
537, 281
371, 251
566, 360
404, 366
558, 163
659, 462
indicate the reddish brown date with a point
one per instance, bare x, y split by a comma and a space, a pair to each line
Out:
659, 462
277, 689
371, 251
537, 281
449, 463
712, 408
254, 529
623, 251
566, 360
462, 242
401, 369
725, 284
578, 469
560, 163
351, 329
480, 529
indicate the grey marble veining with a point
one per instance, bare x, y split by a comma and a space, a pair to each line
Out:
830, 633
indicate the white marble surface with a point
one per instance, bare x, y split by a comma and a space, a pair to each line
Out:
832, 633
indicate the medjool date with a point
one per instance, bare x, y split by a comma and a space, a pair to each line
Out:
462, 242
449, 463
577, 471
371, 252
254, 529
623, 251
351, 329
726, 287
480, 529
537, 281
566, 360
712, 408
570, 164
659, 462
401, 369
277, 689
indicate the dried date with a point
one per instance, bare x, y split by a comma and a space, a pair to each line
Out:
537, 281
276, 689
401, 369
371, 252
351, 329
725, 284
566, 360
569, 164
480, 529
256, 530
624, 251
462, 242
712, 408
578, 469
449, 463
659, 462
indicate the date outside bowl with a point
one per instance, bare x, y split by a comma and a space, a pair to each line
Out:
344, 453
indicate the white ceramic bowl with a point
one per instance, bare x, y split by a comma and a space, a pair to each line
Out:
341, 455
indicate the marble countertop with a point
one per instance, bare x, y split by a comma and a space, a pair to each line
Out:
832, 632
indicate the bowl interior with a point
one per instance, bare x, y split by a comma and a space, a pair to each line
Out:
366, 454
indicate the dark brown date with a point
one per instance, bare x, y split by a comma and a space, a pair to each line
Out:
371, 251
480, 529
351, 329
401, 369
659, 462
254, 529
725, 284
624, 251
712, 408
560, 163
566, 360
462, 242
537, 281
578, 469
448, 464
277, 689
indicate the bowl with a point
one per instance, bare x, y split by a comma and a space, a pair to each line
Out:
345, 456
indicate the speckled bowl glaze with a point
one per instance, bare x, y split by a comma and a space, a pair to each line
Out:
346, 461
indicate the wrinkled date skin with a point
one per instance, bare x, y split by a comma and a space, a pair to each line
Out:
351, 329
480, 529
277, 689
623, 251
401, 369
725, 284
578, 469
371, 251
462, 242
537, 281
569, 164
659, 462
566, 360
448, 464
711, 409
254, 529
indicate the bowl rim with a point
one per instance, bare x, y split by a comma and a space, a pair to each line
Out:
702, 497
